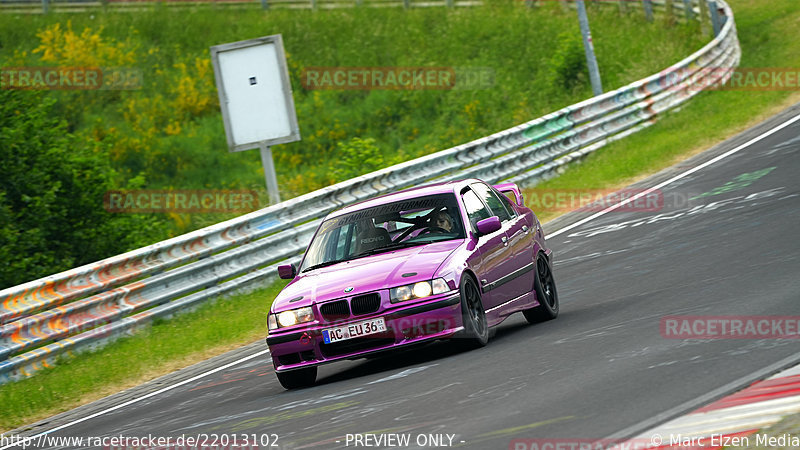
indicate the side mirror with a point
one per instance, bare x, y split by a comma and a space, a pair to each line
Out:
287, 272
488, 225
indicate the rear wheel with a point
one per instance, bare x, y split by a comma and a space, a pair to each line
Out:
300, 378
476, 329
546, 294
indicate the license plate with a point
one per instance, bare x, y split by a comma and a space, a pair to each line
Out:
354, 330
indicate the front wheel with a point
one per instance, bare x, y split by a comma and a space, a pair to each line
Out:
546, 294
300, 378
476, 328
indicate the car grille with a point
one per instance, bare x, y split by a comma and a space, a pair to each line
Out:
365, 304
356, 345
334, 311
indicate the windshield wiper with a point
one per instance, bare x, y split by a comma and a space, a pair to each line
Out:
325, 264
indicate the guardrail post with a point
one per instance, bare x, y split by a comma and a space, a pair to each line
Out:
45, 6
450, 3
623, 6
264, 4
703, 16
406, 4
715, 19
669, 18
648, 10
687, 8
313, 4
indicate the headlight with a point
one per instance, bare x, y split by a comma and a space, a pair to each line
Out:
402, 294
439, 286
290, 317
420, 289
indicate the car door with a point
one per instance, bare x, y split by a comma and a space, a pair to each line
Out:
495, 253
520, 237
517, 277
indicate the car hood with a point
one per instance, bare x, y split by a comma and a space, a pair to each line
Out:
368, 274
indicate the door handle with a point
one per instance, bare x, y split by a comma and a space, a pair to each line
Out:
505, 241
525, 229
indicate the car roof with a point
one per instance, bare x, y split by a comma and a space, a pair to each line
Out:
406, 194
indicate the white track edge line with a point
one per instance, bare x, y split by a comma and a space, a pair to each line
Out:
136, 400
685, 408
677, 177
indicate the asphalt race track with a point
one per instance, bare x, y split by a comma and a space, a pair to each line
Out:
723, 242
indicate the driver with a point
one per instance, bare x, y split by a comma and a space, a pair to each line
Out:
443, 221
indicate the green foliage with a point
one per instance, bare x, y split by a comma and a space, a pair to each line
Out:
51, 195
357, 157
568, 68
168, 133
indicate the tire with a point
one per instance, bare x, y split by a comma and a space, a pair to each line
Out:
546, 293
300, 378
476, 329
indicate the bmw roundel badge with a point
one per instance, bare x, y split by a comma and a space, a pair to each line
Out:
348, 289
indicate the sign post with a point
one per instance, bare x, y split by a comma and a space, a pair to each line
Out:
269, 174
588, 46
255, 97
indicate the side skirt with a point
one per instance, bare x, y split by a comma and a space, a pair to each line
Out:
496, 315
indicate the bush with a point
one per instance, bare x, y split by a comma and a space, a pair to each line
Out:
51, 195
568, 69
357, 157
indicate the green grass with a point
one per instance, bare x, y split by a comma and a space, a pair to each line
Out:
767, 33
768, 36
165, 346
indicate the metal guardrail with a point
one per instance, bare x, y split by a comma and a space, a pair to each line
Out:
91, 305
46, 6
683, 9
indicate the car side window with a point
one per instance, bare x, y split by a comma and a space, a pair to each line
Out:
476, 210
343, 235
509, 206
491, 199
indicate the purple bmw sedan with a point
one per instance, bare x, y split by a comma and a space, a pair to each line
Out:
439, 261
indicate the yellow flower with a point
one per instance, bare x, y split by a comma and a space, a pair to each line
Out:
87, 49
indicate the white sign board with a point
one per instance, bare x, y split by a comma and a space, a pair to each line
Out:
254, 93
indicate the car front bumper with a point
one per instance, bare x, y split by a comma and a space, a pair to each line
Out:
422, 321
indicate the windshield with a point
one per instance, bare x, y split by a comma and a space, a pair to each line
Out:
401, 224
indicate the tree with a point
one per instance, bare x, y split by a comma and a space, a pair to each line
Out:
51, 194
